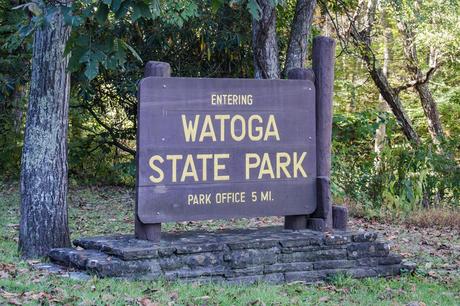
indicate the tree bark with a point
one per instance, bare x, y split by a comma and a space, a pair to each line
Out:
431, 112
264, 42
298, 39
43, 222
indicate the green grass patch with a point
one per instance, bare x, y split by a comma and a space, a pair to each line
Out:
89, 211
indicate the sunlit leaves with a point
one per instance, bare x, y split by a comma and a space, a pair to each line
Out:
178, 12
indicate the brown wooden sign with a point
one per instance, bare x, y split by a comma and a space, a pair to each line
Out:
224, 148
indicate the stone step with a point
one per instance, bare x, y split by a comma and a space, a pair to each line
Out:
128, 248
104, 265
269, 254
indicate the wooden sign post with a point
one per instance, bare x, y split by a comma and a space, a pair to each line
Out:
148, 231
323, 67
226, 148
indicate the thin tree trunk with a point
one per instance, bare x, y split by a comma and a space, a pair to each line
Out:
380, 133
431, 112
362, 41
43, 222
326, 26
351, 106
426, 98
264, 42
298, 39
392, 98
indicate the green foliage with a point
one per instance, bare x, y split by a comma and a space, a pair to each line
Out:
103, 110
96, 25
15, 54
111, 40
104, 166
401, 178
11, 147
408, 175
94, 41
254, 8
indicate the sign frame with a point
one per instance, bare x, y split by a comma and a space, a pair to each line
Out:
318, 217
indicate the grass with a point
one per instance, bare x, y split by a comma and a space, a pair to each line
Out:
442, 217
89, 206
436, 217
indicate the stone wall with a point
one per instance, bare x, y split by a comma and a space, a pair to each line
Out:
270, 254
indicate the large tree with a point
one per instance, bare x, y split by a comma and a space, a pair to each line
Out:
265, 42
265, 39
300, 30
44, 157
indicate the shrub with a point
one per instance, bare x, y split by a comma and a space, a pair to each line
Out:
406, 177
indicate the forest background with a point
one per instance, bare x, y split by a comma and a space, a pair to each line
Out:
396, 131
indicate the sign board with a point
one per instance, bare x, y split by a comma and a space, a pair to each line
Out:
225, 148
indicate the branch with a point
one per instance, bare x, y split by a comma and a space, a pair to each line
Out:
114, 141
418, 81
342, 40
123, 147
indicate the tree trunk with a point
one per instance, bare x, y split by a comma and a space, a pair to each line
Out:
43, 222
431, 112
392, 98
298, 39
426, 98
362, 40
351, 106
380, 133
264, 43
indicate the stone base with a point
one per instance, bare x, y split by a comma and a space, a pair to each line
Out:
269, 254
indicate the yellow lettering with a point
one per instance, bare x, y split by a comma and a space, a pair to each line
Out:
218, 167
204, 165
266, 167
190, 128
154, 167
232, 128
297, 166
258, 129
189, 169
174, 159
251, 165
282, 165
222, 119
272, 129
208, 129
